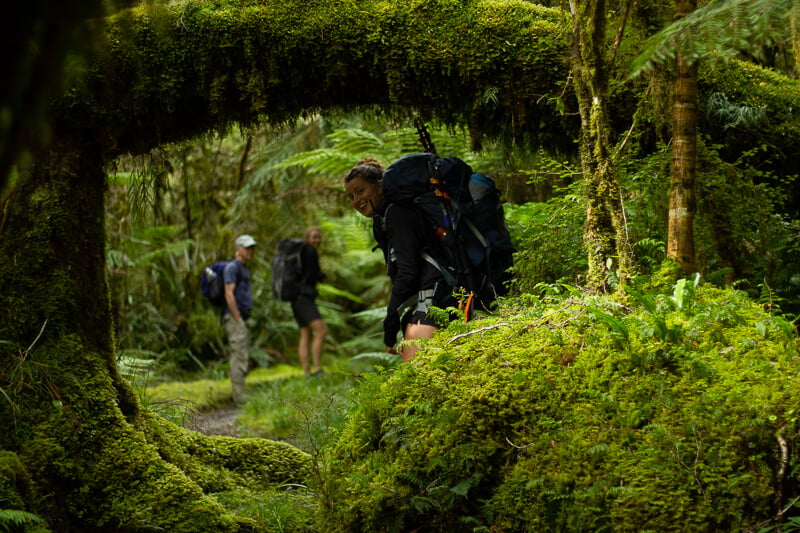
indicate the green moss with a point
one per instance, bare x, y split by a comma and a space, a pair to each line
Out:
170, 73
746, 84
14, 482
205, 393
515, 428
226, 463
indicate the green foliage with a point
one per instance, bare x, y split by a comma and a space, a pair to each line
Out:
620, 418
212, 392
14, 521
299, 410
15, 492
549, 240
792, 523
718, 28
188, 68
283, 509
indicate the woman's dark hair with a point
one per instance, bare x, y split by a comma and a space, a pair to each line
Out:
368, 169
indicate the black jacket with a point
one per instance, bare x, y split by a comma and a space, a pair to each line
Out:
311, 271
403, 234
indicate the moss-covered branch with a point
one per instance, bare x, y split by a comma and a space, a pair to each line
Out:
169, 74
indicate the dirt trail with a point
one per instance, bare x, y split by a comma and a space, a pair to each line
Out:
220, 421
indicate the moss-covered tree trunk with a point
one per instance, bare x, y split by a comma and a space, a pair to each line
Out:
682, 204
605, 235
84, 453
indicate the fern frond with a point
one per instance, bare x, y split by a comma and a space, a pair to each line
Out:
12, 519
720, 28
732, 115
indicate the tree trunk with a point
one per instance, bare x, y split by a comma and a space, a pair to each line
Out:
84, 453
680, 234
605, 235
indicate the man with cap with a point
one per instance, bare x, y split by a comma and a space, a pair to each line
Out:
239, 300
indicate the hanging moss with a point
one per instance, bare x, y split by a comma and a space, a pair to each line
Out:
170, 73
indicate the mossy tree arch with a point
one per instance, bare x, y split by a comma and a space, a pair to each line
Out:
83, 452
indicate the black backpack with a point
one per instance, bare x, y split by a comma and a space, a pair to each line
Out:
212, 286
466, 217
287, 269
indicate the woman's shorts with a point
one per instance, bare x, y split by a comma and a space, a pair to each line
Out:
305, 310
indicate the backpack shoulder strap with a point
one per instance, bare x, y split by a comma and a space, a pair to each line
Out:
447, 275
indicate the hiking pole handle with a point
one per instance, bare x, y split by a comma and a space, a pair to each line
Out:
425, 138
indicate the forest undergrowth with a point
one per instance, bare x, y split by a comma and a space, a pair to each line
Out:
667, 408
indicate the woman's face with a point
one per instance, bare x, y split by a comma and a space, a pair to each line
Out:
364, 195
314, 239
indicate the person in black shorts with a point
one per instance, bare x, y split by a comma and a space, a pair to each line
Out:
417, 285
304, 307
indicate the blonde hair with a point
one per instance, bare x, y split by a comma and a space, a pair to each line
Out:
309, 231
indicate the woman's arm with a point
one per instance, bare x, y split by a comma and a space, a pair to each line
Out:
405, 264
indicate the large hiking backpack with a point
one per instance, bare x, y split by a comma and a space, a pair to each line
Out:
466, 216
287, 269
212, 286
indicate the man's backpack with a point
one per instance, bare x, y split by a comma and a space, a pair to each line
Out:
212, 285
466, 215
287, 269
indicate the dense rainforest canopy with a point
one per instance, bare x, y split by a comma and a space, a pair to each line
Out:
85, 454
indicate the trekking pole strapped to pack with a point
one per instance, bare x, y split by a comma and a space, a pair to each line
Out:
425, 138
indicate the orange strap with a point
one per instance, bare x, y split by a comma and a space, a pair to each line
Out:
468, 307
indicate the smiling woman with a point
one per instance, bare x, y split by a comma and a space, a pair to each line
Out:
417, 285
363, 186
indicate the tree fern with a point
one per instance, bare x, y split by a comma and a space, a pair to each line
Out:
14, 520
732, 115
723, 28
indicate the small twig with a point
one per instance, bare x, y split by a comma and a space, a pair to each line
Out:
785, 510
563, 322
782, 470
485, 328
548, 315
518, 447
677, 455
28, 351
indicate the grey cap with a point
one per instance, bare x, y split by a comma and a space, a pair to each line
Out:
245, 241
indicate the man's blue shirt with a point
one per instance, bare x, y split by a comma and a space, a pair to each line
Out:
236, 272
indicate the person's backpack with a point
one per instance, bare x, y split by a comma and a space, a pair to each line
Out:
212, 286
466, 215
287, 269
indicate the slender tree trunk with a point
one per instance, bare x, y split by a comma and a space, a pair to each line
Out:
682, 204
605, 235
